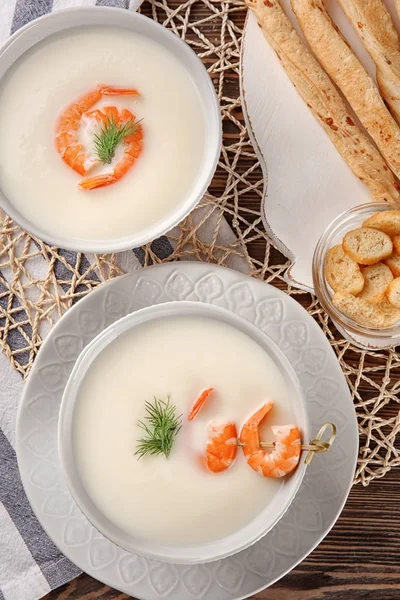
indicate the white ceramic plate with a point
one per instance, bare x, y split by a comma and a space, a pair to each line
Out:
307, 183
187, 553
317, 504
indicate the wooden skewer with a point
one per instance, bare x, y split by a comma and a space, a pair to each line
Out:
321, 445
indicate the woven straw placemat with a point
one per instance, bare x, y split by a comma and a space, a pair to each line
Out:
32, 298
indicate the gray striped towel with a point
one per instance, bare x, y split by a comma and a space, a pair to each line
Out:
30, 564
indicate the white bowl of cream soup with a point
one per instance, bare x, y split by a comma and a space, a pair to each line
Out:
177, 508
110, 129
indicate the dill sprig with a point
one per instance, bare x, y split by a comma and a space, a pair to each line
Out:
160, 426
112, 133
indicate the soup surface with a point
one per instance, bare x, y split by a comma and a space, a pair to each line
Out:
56, 73
175, 500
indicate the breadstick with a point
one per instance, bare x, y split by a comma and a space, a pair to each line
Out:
326, 103
341, 64
397, 5
373, 23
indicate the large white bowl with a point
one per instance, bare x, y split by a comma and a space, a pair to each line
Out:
41, 28
189, 554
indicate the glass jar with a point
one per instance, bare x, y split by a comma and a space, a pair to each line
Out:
368, 338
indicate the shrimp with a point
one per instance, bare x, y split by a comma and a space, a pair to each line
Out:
73, 152
221, 447
286, 454
222, 440
199, 403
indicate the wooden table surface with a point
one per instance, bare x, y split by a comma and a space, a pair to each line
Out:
360, 557
358, 560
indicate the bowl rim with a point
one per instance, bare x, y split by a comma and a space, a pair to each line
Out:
178, 554
77, 17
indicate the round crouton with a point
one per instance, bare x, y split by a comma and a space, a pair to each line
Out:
391, 314
396, 243
376, 280
342, 272
393, 262
359, 310
367, 246
393, 292
387, 221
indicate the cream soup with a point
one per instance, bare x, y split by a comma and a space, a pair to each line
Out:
57, 72
175, 500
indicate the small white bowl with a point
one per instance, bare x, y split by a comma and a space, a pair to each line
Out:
188, 554
26, 37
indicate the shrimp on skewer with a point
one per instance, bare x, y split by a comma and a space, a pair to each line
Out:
197, 406
286, 454
67, 142
221, 447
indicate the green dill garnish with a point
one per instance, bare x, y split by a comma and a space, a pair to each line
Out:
160, 426
112, 133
